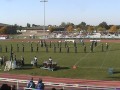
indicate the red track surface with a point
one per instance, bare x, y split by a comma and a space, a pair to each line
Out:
63, 80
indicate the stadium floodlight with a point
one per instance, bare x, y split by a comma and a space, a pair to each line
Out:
44, 1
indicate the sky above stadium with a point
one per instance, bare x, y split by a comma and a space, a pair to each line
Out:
92, 12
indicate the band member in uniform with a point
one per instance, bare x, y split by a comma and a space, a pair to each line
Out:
107, 46
84, 48
102, 47
23, 48
54, 48
68, 49
50, 62
75, 49
91, 48
6, 48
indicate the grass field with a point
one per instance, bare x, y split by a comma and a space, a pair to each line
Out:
89, 65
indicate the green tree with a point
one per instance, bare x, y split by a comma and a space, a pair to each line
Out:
82, 26
63, 24
11, 30
28, 25
104, 25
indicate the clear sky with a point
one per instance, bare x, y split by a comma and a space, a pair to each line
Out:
92, 12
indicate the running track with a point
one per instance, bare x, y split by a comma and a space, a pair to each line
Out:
62, 80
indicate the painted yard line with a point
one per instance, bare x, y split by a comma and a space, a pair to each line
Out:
105, 58
84, 56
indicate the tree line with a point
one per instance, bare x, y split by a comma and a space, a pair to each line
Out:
8, 30
103, 27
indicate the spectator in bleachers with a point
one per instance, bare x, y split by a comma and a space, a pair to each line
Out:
5, 87
40, 85
53, 88
31, 84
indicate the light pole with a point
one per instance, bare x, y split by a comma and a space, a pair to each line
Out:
44, 1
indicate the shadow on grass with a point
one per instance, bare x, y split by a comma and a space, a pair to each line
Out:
105, 51
26, 67
116, 72
114, 78
115, 49
62, 68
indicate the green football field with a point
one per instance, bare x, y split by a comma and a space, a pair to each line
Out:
89, 65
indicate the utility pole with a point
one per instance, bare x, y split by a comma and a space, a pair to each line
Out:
44, 1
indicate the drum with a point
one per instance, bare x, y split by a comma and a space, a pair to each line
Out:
32, 62
45, 64
54, 65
